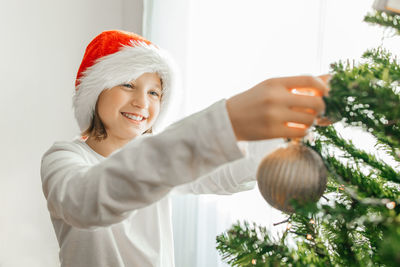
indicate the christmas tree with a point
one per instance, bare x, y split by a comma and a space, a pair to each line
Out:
357, 221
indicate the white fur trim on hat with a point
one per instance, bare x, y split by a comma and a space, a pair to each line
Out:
123, 67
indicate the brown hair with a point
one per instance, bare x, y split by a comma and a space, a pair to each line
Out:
96, 127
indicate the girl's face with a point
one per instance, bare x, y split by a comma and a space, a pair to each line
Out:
128, 110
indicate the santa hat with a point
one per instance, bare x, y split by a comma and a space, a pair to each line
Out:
117, 57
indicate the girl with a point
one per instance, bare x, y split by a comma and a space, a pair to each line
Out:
108, 193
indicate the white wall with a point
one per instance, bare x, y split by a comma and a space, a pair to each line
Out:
41, 45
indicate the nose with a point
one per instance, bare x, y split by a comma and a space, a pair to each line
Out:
139, 99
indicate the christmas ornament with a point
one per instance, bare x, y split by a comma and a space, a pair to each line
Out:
294, 172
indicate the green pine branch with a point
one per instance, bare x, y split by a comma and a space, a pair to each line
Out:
368, 95
370, 185
359, 223
388, 20
332, 137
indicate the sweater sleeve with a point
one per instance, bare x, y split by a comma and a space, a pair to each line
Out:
232, 177
140, 173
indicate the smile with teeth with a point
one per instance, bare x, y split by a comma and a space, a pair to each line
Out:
133, 117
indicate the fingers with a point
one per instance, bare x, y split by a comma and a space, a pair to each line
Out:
305, 82
298, 117
284, 131
270, 110
290, 124
325, 78
323, 122
306, 102
291, 132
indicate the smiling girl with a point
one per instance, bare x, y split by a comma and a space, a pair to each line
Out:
126, 112
108, 193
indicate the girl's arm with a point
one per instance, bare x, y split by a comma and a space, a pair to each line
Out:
145, 170
139, 174
232, 177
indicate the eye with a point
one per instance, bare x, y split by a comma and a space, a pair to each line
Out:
127, 85
155, 93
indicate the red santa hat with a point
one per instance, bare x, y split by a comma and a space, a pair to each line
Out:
117, 57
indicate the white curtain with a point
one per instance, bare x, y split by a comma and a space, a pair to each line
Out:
226, 46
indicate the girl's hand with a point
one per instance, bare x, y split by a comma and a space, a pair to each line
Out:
264, 111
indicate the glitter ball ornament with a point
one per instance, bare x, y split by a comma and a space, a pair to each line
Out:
294, 172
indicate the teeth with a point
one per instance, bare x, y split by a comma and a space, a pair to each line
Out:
133, 117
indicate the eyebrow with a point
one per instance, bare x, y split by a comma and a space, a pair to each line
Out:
153, 85
158, 86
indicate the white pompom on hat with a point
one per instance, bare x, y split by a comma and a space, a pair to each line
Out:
117, 57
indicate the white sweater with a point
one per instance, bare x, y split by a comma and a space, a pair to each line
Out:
115, 211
